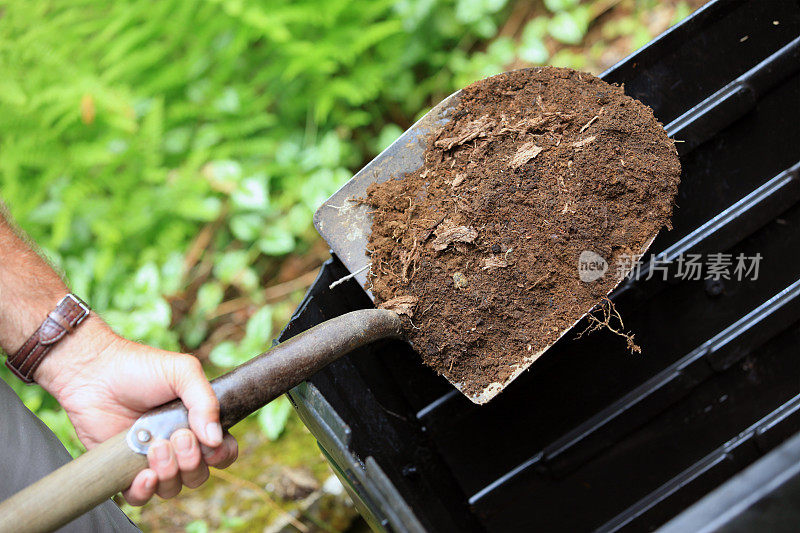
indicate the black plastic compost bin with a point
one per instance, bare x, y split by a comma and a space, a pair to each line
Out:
592, 437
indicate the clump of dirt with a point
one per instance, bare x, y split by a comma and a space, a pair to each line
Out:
479, 249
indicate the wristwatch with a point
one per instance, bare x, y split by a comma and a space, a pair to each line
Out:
67, 315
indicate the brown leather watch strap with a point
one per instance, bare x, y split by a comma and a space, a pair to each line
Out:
69, 312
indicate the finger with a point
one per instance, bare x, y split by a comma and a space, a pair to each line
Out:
162, 460
142, 489
224, 455
194, 471
193, 388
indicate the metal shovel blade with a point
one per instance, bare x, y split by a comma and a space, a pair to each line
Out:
346, 225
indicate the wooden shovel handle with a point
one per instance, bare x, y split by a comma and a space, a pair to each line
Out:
73, 489
109, 468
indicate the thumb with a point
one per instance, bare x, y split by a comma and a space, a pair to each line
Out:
189, 383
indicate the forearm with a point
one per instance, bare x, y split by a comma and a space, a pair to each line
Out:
29, 290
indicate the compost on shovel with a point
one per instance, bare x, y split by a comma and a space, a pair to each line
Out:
479, 248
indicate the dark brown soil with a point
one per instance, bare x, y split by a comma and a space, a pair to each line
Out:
479, 248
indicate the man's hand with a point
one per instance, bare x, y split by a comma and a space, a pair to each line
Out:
105, 382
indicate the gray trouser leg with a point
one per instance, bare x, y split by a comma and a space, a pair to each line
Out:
29, 451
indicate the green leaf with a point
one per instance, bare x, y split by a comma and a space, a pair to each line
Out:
11, 92
247, 280
209, 296
682, 10
194, 330
389, 133
197, 208
641, 37
560, 5
272, 417
197, 526
569, 27
207, 136
276, 240
258, 333
534, 51
153, 315
247, 227
251, 194
501, 51
172, 273
532, 47
230, 265
299, 219
486, 28
535, 29
225, 172
471, 11
330, 150
233, 522
147, 280
568, 59
321, 184
176, 140
228, 102
226, 355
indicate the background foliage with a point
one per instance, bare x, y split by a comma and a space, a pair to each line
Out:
168, 155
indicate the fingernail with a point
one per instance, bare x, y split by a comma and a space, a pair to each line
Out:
150, 482
183, 441
161, 452
214, 433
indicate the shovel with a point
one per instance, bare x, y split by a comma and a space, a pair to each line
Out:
110, 467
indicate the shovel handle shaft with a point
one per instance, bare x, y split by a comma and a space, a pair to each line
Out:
73, 489
254, 384
109, 468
